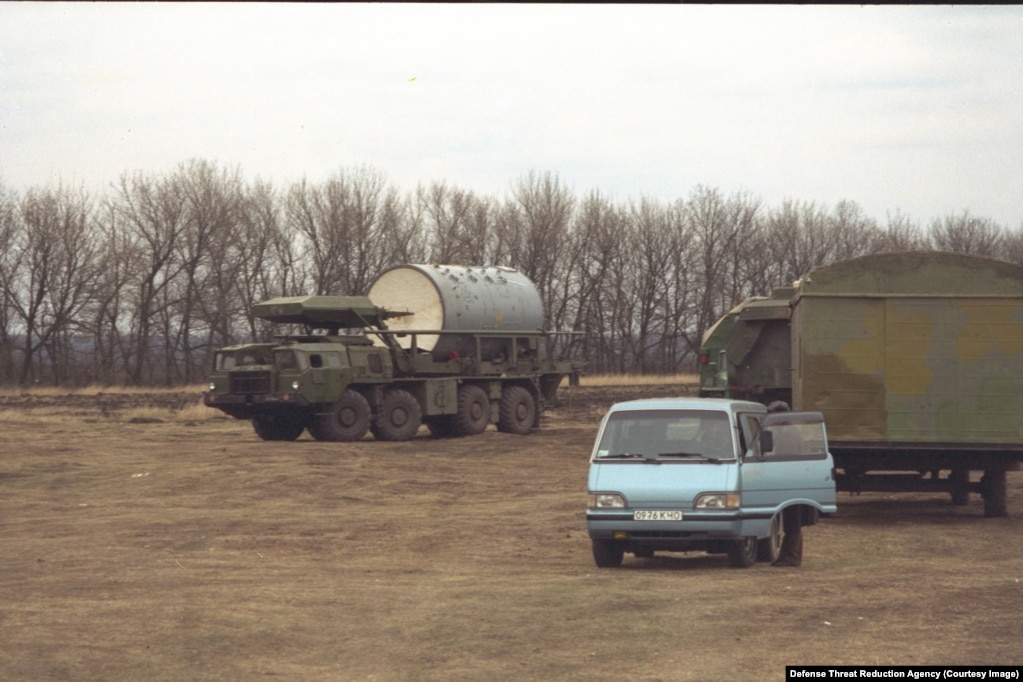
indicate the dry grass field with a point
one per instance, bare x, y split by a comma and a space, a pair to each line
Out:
145, 539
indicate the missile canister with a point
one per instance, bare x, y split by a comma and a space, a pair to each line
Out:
457, 298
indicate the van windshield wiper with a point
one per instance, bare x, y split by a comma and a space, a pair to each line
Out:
708, 458
632, 455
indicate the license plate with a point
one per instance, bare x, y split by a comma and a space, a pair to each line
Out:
656, 515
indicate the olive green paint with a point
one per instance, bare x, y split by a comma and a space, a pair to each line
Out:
912, 348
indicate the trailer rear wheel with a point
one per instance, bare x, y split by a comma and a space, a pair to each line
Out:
399, 416
345, 420
995, 493
473, 411
277, 428
608, 553
742, 553
959, 486
518, 411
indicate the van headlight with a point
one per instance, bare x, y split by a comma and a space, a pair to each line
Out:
718, 501
607, 501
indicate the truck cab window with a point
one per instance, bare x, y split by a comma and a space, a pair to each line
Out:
286, 360
376, 365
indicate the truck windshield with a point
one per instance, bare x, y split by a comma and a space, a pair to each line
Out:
667, 435
228, 361
288, 360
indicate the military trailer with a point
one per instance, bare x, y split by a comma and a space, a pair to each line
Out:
915, 359
454, 347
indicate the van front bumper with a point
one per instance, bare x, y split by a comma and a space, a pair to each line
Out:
619, 524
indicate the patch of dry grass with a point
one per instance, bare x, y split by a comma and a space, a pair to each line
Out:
638, 379
95, 389
196, 412
150, 551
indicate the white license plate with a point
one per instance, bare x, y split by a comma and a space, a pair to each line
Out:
656, 515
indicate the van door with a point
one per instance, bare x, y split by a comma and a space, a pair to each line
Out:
788, 463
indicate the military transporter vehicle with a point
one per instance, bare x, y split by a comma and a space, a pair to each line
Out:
915, 359
454, 347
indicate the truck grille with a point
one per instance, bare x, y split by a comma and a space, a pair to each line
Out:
250, 382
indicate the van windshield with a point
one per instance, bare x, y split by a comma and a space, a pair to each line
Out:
667, 435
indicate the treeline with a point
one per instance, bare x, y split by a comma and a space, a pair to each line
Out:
141, 285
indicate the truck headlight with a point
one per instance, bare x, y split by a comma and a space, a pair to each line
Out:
607, 501
294, 385
718, 501
213, 387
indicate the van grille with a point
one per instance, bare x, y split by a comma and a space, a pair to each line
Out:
659, 534
250, 382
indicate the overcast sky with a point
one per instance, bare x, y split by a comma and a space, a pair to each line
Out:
910, 109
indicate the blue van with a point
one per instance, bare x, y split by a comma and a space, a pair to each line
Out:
703, 474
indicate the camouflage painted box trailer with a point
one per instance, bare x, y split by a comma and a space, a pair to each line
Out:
915, 359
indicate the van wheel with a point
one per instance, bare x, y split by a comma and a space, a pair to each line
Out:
742, 553
473, 411
608, 553
518, 411
769, 549
345, 420
399, 416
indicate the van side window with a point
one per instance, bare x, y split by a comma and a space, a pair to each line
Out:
798, 440
749, 426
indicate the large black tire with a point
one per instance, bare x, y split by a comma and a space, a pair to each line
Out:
995, 488
345, 420
518, 411
473, 414
743, 553
607, 553
277, 428
960, 487
399, 416
769, 548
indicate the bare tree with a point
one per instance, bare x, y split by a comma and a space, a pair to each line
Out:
342, 228
153, 217
48, 277
965, 233
602, 233
267, 263
458, 224
716, 236
8, 262
900, 234
536, 225
109, 316
206, 250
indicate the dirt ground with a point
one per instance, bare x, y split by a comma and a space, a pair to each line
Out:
168, 548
